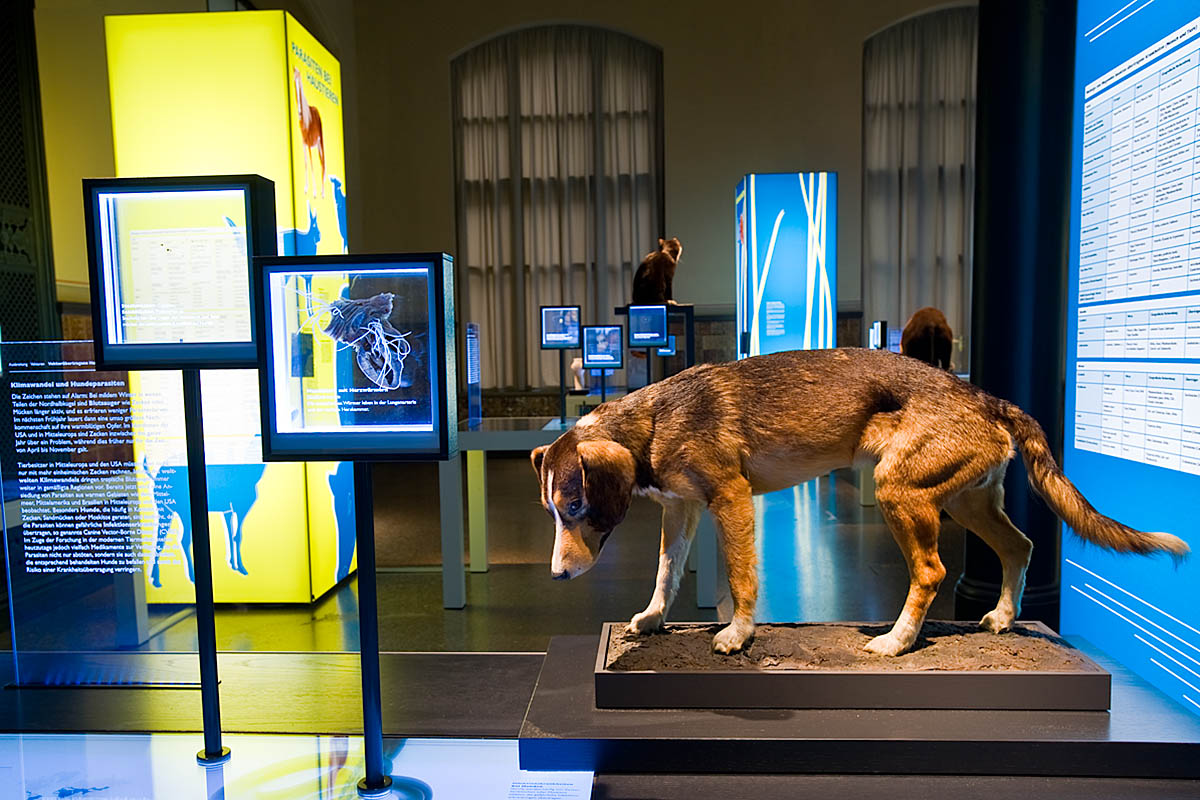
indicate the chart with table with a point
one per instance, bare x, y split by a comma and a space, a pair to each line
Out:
1138, 290
1131, 442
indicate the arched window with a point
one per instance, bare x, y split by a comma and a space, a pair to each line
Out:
919, 170
558, 183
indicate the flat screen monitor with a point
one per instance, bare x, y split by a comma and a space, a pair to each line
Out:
602, 347
669, 349
1131, 441
877, 335
474, 375
357, 357
169, 265
560, 327
647, 326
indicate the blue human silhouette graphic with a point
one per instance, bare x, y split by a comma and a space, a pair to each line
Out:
232, 492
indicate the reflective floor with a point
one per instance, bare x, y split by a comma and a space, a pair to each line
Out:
94, 766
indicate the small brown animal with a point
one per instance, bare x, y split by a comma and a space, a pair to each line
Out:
652, 283
311, 132
927, 337
694, 440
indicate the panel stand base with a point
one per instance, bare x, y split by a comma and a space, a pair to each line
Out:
204, 759
383, 790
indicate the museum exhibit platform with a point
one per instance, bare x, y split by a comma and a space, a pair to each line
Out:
1144, 735
955, 666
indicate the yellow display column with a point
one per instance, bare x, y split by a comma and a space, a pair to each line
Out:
249, 92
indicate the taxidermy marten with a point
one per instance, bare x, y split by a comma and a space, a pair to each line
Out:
652, 281
927, 337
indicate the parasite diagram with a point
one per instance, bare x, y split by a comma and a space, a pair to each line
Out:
379, 349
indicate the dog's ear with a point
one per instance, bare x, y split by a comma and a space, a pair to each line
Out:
661, 242
535, 457
608, 476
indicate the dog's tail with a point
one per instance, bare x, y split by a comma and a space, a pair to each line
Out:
1068, 503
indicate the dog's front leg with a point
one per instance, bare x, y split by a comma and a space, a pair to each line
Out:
678, 529
733, 510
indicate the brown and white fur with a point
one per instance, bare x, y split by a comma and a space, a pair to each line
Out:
311, 133
717, 434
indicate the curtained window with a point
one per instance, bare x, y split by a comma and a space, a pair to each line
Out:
558, 184
919, 170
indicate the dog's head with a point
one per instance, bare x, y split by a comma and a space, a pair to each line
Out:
671, 247
586, 488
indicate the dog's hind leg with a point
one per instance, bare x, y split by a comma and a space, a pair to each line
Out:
678, 528
914, 521
981, 510
733, 511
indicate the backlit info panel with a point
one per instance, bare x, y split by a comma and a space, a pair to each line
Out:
1132, 443
785, 229
245, 92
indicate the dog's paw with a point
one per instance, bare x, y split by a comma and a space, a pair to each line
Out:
885, 645
996, 622
645, 622
731, 639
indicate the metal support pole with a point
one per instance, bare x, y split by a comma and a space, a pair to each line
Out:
375, 784
562, 386
450, 501
206, 624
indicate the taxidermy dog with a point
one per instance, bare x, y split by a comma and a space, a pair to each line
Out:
310, 132
654, 276
717, 434
927, 337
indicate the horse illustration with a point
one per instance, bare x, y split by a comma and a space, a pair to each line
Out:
310, 131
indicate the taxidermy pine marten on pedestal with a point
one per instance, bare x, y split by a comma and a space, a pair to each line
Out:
927, 337
652, 281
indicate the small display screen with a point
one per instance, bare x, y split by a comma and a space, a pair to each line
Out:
876, 335
893, 340
169, 262
669, 350
560, 327
474, 375
647, 326
353, 356
602, 346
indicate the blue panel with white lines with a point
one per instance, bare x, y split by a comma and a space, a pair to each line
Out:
1132, 438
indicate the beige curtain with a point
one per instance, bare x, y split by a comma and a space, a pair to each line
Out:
919, 170
575, 114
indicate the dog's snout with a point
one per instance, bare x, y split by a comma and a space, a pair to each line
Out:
561, 576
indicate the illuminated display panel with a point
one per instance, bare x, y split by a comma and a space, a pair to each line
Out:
647, 326
560, 327
354, 357
602, 347
785, 256
237, 72
169, 266
1132, 439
